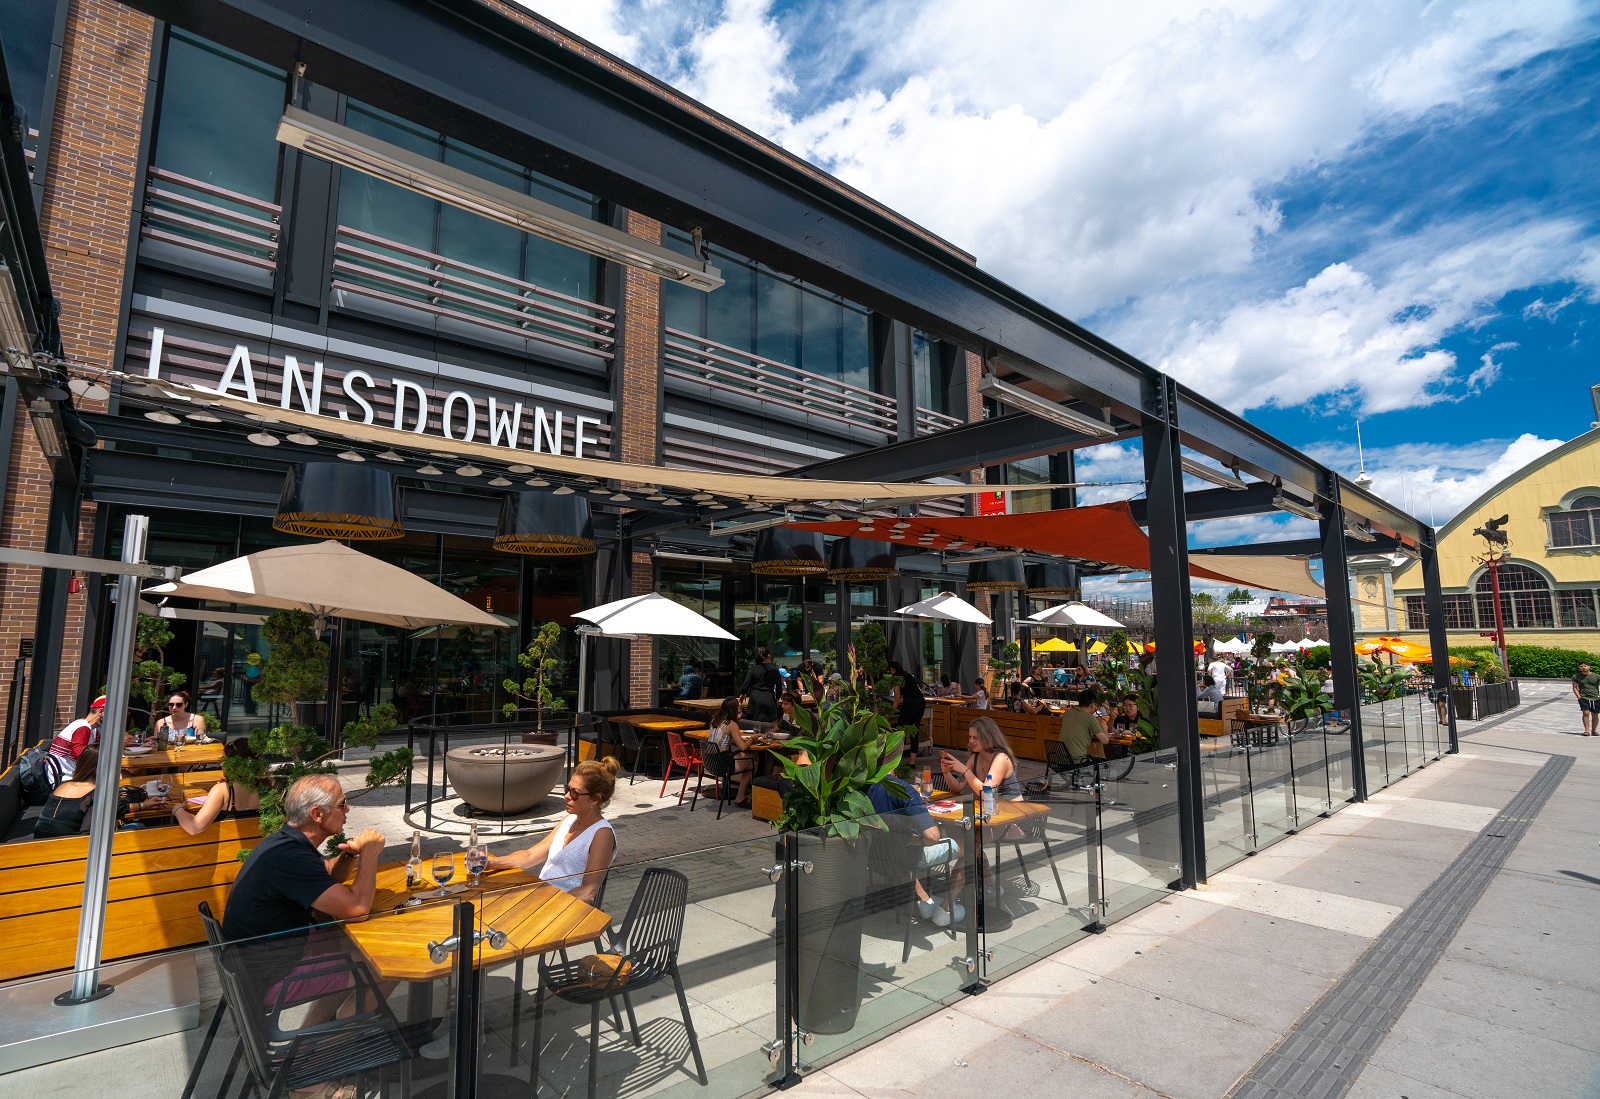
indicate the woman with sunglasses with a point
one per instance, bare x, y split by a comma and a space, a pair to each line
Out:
576, 856
224, 801
179, 722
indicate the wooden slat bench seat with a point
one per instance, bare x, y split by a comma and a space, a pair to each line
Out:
158, 878
1030, 735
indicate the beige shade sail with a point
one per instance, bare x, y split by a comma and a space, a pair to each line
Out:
746, 486
947, 606
1291, 575
330, 581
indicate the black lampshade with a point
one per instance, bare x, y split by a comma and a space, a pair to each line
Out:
545, 525
1003, 574
1053, 578
335, 500
784, 552
861, 560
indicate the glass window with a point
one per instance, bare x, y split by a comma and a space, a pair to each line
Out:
855, 364
931, 372
1029, 471
476, 240
1577, 526
1524, 598
219, 117
29, 25
1576, 608
1458, 613
729, 309
383, 209
823, 338
778, 320
1416, 612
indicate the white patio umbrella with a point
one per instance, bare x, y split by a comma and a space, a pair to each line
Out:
650, 615
1074, 614
329, 580
1285, 647
1232, 645
1307, 643
949, 607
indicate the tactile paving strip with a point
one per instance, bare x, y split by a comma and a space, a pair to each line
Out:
1326, 1050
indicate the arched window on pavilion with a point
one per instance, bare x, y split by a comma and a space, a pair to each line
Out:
1577, 525
1524, 599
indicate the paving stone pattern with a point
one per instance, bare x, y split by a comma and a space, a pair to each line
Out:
1328, 1048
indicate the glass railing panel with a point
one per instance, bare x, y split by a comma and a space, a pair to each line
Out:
1272, 784
1044, 890
1311, 782
662, 979
343, 999
1335, 730
1226, 789
1139, 829
875, 951
1375, 740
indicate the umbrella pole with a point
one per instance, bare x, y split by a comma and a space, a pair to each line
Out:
103, 814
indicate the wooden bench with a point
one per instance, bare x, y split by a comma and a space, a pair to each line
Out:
1215, 732
1030, 735
158, 878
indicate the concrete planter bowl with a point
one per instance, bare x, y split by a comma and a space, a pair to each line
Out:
510, 779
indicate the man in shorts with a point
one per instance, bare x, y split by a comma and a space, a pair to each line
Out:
1586, 688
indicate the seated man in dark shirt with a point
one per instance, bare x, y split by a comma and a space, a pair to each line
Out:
285, 885
690, 684
910, 814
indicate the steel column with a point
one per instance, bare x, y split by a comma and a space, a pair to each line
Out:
1341, 632
1438, 637
1179, 716
103, 814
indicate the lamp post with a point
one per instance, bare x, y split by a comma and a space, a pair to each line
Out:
1497, 549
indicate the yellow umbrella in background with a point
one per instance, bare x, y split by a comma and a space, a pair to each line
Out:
1098, 647
1054, 645
1134, 648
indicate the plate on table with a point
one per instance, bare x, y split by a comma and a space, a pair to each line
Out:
138, 751
944, 806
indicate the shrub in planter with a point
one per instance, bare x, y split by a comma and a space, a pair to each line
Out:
1545, 662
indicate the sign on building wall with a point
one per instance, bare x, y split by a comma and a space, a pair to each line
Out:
369, 386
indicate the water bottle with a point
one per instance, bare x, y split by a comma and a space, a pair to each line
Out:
414, 863
988, 797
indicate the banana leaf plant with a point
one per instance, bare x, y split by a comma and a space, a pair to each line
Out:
1381, 682
849, 745
1302, 698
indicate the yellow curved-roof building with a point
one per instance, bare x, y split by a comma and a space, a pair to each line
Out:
1550, 584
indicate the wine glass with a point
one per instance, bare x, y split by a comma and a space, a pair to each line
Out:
163, 786
444, 868
477, 863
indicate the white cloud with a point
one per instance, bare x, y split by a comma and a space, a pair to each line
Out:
1435, 481
596, 21
737, 66
1353, 337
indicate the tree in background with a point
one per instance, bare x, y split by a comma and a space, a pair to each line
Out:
152, 682
540, 664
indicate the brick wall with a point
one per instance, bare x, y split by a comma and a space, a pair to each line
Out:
85, 220
637, 418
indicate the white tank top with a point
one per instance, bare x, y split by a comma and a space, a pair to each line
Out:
564, 866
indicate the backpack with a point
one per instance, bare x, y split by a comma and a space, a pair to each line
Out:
39, 773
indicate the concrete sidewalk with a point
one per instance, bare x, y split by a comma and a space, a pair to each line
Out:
1284, 975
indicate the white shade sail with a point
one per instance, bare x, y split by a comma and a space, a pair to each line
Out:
329, 580
949, 607
1231, 645
1285, 647
1074, 614
650, 616
1307, 643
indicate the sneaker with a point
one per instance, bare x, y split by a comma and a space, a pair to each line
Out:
438, 1049
926, 910
941, 918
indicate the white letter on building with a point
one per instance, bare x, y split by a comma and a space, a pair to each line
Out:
365, 379
158, 336
240, 362
541, 427
310, 401
502, 424
450, 399
400, 390
579, 438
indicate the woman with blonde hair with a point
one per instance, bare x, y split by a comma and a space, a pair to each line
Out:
577, 854
989, 758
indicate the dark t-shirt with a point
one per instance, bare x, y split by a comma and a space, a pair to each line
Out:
1588, 685
912, 810
273, 894
763, 683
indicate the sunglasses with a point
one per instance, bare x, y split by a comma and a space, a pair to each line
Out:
174, 705
571, 793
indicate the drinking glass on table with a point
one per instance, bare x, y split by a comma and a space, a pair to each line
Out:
444, 868
477, 862
163, 786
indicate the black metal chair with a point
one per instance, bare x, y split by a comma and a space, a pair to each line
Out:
646, 946
214, 939
281, 1060
632, 741
722, 766
895, 855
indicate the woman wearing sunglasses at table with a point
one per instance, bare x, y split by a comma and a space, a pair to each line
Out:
224, 801
576, 856
178, 721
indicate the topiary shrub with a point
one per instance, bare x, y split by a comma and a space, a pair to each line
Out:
1319, 656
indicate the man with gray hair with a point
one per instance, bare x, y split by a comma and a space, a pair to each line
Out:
284, 885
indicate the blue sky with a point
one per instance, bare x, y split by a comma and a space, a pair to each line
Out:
1312, 213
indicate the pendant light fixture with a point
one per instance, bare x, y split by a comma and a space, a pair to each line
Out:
1000, 574
545, 524
357, 503
783, 552
861, 560
1059, 578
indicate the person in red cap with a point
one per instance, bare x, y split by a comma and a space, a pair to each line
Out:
71, 741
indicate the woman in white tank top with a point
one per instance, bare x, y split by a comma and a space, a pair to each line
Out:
576, 856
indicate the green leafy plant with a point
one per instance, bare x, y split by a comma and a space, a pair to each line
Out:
286, 753
1302, 698
1381, 682
871, 657
540, 664
1319, 657
850, 744
1548, 662
152, 680
1006, 664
